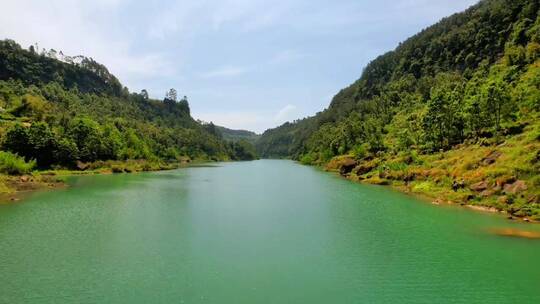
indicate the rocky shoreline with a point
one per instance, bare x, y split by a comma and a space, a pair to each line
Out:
485, 195
15, 187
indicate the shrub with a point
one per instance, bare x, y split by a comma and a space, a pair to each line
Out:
361, 151
117, 169
15, 165
307, 159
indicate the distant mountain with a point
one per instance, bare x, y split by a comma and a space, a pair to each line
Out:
237, 135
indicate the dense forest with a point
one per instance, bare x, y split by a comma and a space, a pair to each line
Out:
453, 110
238, 135
58, 111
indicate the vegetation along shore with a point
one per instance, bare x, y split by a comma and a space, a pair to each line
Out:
451, 113
63, 114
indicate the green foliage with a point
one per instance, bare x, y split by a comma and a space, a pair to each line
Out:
31, 106
87, 136
471, 77
84, 74
67, 152
361, 151
285, 141
62, 112
308, 159
443, 121
456, 105
42, 143
496, 101
236, 135
14, 165
242, 150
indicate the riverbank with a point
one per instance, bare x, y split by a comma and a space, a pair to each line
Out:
13, 187
493, 178
241, 219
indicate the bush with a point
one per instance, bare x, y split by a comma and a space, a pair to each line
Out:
15, 165
307, 159
361, 151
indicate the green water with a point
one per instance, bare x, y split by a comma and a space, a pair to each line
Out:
255, 232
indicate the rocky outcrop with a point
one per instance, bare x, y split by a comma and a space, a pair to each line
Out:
506, 185
516, 187
480, 186
503, 200
347, 166
364, 168
344, 165
491, 158
82, 166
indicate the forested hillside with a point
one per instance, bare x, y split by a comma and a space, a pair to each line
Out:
452, 112
237, 135
70, 112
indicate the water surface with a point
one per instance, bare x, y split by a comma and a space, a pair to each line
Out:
255, 232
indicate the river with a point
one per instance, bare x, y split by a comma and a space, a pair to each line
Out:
267, 231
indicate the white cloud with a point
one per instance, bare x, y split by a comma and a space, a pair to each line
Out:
254, 121
257, 121
287, 113
82, 28
177, 18
246, 15
224, 72
281, 57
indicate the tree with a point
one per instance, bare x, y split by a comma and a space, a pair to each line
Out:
242, 150
443, 122
16, 141
496, 102
66, 152
111, 142
87, 115
183, 104
144, 94
171, 96
211, 128
475, 116
374, 134
35, 142
88, 137
42, 142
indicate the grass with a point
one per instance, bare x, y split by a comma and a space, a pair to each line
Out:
12, 164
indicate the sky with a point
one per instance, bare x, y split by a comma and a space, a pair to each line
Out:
244, 64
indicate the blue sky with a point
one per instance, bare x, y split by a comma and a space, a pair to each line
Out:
244, 64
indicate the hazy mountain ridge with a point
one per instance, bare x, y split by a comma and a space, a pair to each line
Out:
236, 135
